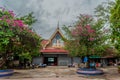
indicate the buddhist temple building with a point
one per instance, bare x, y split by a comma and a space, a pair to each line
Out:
53, 52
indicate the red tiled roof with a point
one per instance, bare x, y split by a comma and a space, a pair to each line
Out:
54, 50
44, 42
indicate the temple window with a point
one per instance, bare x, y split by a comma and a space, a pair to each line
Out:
57, 41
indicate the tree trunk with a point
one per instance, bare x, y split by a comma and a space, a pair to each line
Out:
4, 58
2, 62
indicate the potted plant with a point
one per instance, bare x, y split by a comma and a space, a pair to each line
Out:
118, 69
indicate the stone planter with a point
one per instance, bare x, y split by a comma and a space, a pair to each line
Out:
90, 71
4, 73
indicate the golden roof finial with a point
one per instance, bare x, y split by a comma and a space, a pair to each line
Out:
58, 25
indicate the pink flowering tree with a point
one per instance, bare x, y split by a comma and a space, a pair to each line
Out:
87, 37
16, 38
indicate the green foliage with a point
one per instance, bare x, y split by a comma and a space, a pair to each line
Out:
102, 11
16, 37
25, 56
115, 24
70, 43
108, 12
29, 19
86, 37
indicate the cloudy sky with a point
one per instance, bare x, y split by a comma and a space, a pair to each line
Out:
49, 12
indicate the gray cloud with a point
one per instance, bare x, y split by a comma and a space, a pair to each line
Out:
49, 12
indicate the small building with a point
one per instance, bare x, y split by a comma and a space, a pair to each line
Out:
53, 52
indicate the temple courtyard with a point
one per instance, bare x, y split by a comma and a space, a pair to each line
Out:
61, 73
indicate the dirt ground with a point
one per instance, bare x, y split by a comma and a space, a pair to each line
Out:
61, 73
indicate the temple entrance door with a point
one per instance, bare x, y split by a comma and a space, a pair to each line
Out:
50, 61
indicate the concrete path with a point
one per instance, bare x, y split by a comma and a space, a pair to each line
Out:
61, 73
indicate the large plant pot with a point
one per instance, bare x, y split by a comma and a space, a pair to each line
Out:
118, 70
4, 73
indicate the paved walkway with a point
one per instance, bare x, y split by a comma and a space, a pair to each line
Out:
61, 73
75, 78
